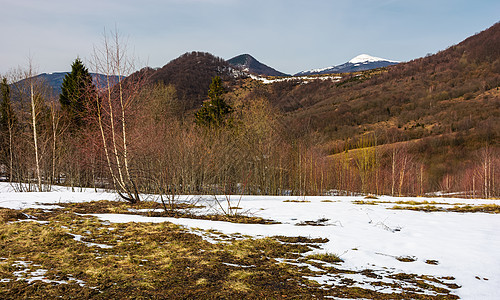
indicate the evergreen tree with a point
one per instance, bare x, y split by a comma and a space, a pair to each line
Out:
76, 92
8, 122
214, 112
7, 116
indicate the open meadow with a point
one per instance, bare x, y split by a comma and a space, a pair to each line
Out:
89, 244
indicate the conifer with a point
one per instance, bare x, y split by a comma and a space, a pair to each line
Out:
214, 112
76, 93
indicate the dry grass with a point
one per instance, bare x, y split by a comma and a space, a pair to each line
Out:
161, 260
326, 257
363, 202
406, 258
484, 208
7, 215
296, 201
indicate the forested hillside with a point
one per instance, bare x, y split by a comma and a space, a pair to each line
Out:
191, 74
447, 105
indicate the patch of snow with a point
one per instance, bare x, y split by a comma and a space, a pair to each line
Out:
304, 79
237, 266
38, 275
32, 220
78, 238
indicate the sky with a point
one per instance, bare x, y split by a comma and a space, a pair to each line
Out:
288, 35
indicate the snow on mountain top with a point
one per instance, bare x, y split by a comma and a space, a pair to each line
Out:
368, 58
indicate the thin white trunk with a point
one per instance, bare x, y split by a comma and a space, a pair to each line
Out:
124, 129
402, 175
35, 139
105, 145
54, 143
485, 170
11, 155
393, 174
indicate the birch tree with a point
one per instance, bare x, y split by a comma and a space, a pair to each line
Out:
114, 97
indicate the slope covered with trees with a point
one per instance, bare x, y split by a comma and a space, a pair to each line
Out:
447, 104
191, 75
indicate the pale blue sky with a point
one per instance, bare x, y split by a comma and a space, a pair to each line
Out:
289, 35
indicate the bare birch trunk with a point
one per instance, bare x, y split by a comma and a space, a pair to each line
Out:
393, 174
402, 175
11, 154
35, 139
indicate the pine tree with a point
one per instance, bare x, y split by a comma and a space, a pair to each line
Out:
214, 112
7, 113
7, 124
76, 93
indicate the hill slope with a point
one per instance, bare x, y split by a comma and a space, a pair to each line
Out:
191, 74
448, 102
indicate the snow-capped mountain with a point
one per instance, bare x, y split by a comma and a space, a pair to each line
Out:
248, 63
361, 62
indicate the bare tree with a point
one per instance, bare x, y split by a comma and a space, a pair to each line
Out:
486, 158
29, 77
112, 104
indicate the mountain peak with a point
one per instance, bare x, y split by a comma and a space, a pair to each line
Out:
359, 63
252, 65
362, 58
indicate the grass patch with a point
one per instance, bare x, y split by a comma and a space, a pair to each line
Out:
406, 258
297, 201
363, 202
318, 222
413, 202
484, 208
326, 257
7, 215
300, 239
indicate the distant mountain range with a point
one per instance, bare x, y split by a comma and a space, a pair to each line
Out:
243, 62
361, 62
248, 63
55, 80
